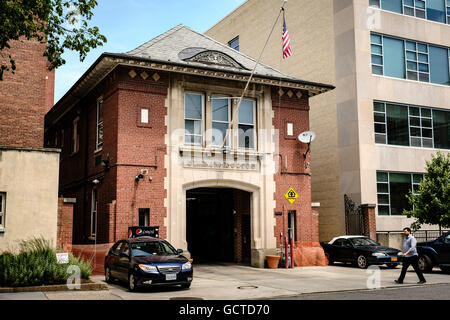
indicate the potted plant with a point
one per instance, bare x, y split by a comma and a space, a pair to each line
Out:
272, 261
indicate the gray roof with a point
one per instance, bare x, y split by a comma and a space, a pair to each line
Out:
181, 43
182, 46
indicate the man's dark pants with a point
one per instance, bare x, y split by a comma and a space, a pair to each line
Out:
414, 261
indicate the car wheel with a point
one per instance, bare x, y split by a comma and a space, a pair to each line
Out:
186, 286
108, 276
362, 262
391, 265
330, 262
425, 263
132, 286
445, 269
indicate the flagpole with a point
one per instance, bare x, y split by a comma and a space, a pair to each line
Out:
250, 78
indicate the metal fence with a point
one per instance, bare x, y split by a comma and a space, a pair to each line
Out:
420, 235
427, 235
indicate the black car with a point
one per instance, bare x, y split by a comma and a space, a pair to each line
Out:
435, 253
361, 251
147, 261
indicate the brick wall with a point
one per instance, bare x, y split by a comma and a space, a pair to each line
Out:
65, 224
127, 146
294, 110
25, 96
370, 222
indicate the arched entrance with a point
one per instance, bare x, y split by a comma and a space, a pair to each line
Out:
218, 225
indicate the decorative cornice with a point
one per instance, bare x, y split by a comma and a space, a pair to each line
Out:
107, 62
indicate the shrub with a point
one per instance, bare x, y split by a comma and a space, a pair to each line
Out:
36, 264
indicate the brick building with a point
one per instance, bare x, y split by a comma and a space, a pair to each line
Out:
28, 172
141, 135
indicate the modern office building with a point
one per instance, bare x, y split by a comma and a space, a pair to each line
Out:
390, 111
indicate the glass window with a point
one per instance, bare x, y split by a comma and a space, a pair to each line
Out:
420, 126
94, 213
116, 248
436, 10
392, 5
423, 127
234, 43
374, 3
392, 189
220, 120
394, 57
144, 115
125, 248
397, 124
414, 69
75, 141
439, 65
152, 248
380, 122
448, 11
247, 124
377, 54
399, 185
193, 118
144, 217
99, 139
441, 129
2, 209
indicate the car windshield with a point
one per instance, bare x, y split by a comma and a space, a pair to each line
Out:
152, 248
364, 242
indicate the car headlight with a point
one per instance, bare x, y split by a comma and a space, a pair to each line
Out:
379, 254
186, 266
149, 269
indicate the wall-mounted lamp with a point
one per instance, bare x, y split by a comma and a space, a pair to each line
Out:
150, 178
105, 163
96, 181
140, 176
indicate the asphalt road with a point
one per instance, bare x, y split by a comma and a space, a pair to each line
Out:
428, 292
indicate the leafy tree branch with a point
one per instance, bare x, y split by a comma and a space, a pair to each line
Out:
60, 24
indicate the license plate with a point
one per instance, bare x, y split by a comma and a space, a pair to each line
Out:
394, 259
171, 276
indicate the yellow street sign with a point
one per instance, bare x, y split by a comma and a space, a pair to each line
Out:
291, 195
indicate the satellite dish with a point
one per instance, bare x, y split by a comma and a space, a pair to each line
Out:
306, 137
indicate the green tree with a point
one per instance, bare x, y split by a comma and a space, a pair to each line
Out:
431, 205
61, 24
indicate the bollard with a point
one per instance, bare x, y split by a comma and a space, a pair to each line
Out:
286, 253
292, 253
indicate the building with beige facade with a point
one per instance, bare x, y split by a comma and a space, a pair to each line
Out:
28, 172
389, 113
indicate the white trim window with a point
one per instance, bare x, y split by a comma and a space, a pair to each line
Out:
144, 115
246, 124
94, 206
221, 115
99, 133
75, 141
2, 210
193, 118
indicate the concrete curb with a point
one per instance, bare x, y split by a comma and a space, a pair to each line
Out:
87, 286
349, 290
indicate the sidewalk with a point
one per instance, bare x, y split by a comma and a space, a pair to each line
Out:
235, 282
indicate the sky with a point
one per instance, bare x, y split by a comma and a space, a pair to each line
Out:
130, 23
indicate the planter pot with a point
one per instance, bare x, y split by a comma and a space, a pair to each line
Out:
272, 261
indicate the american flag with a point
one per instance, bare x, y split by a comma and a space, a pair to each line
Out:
287, 52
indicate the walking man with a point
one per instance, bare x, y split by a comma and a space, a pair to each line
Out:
410, 257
